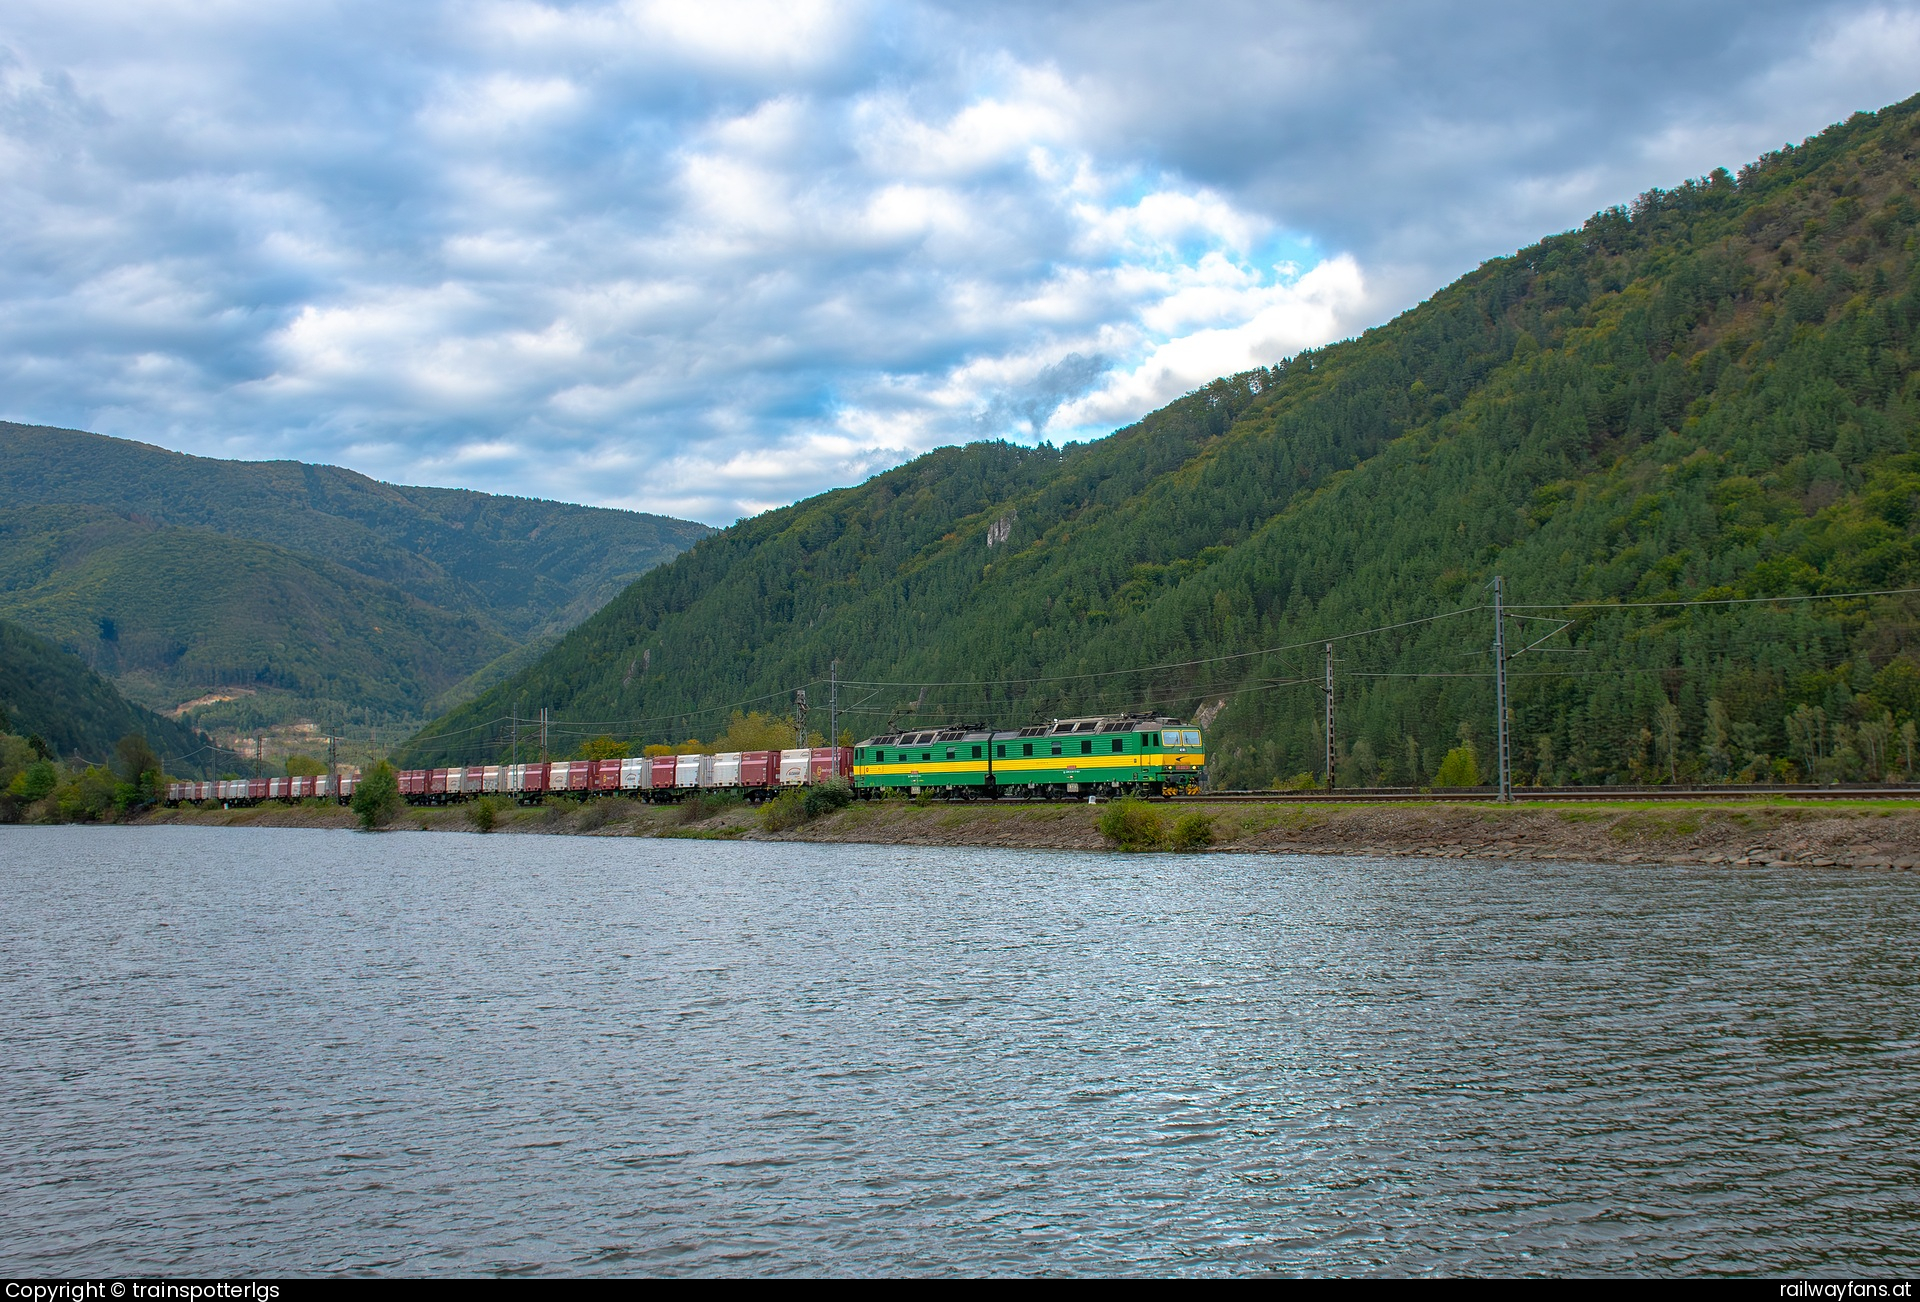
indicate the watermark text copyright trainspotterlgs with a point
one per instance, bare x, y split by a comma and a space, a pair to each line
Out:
137, 1291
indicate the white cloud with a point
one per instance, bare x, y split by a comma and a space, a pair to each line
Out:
710, 257
1270, 322
475, 113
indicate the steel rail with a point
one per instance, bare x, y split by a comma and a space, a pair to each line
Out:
1521, 796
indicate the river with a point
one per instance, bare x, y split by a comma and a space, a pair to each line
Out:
302, 1052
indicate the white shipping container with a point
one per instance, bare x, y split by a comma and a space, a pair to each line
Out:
636, 774
490, 778
686, 770
794, 767
726, 770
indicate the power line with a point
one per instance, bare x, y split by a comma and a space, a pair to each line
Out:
1713, 601
1172, 664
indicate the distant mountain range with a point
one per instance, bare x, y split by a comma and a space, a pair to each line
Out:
1711, 394
293, 589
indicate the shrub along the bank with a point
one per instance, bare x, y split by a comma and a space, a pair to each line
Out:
784, 812
1133, 825
828, 797
484, 813
1192, 831
791, 809
696, 808
377, 798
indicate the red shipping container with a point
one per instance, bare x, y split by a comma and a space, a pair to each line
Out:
413, 782
759, 768
606, 775
257, 789
830, 762
536, 779
476, 774
580, 775
663, 770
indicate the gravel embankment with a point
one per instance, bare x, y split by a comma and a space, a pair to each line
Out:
1778, 834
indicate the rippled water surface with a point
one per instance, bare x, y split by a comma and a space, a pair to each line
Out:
288, 1051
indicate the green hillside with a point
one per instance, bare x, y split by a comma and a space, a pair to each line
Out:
280, 619
310, 589
48, 693
1707, 395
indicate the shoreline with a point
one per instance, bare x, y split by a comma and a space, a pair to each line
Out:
1776, 834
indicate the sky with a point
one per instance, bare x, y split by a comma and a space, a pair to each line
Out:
709, 258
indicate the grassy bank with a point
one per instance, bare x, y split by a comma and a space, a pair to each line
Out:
1865, 833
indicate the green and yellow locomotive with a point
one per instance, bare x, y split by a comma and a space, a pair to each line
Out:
1107, 755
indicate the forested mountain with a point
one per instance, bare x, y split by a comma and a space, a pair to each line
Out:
317, 590
48, 693
1709, 395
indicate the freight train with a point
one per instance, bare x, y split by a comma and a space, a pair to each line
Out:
1131, 754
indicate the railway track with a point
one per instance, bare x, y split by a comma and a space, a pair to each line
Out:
1530, 795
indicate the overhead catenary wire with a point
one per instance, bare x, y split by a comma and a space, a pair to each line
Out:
1713, 601
1510, 608
1157, 668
